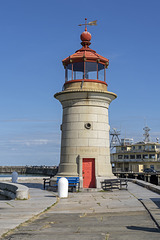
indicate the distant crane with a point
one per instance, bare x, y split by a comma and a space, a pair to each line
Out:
146, 134
115, 139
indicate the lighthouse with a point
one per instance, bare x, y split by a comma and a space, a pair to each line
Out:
85, 99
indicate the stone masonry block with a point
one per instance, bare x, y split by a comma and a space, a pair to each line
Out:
88, 117
103, 134
101, 126
85, 109
73, 126
87, 134
69, 150
97, 142
102, 118
74, 142
104, 151
70, 118
70, 134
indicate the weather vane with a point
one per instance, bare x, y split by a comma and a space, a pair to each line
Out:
93, 23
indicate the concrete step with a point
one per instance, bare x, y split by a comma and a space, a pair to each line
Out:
90, 189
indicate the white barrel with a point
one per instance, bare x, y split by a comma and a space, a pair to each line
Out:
63, 187
14, 177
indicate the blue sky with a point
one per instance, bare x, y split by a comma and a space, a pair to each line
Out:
35, 35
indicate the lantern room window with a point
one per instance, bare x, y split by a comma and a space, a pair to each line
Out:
85, 70
78, 70
101, 72
90, 70
68, 73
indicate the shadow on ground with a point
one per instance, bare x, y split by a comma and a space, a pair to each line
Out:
32, 185
156, 201
146, 229
4, 198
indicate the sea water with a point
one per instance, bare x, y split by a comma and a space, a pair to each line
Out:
21, 175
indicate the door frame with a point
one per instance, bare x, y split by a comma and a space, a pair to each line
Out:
80, 160
91, 162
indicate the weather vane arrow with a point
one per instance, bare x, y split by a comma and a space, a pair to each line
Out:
93, 23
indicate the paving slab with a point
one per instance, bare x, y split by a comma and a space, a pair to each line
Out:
114, 215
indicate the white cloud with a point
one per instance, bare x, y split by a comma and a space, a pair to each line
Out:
27, 120
36, 142
13, 149
32, 142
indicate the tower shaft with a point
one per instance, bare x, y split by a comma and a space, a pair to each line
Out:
85, 132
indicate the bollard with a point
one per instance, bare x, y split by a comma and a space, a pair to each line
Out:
63, 187
14, 177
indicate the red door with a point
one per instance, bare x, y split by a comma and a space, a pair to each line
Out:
88, 173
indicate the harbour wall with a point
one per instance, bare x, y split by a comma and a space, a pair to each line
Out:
38, 170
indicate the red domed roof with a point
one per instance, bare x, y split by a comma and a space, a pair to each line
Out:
85, 53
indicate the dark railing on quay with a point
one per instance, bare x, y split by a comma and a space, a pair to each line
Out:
147, 177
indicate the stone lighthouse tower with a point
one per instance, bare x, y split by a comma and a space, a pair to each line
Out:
85, 148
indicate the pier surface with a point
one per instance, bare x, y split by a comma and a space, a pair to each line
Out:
112, 215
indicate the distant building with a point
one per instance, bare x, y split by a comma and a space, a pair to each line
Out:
135, 157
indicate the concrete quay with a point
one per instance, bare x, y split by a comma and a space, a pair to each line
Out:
111, 215
15, 212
